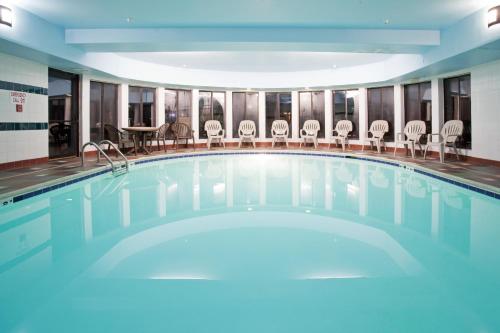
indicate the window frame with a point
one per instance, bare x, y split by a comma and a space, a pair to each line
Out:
407, 118
354, 136
177, 100
201, 128
391, 135
101, 108
322, 132
141, 106
461, 141
277, 110
236, 126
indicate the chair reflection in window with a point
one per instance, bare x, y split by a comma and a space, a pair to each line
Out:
60, 133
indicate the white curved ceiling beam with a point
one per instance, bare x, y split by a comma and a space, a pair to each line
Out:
269, 39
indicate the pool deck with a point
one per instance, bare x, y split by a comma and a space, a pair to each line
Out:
16, 180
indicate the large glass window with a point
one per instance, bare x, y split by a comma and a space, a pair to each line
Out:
178, 106
457, 106
381, 107
312, 107
418, 103
278, 107
245, 107
64, 114
346, 107
103, 108
141, 106
211, 106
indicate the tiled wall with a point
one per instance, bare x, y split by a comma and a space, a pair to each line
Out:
23, 135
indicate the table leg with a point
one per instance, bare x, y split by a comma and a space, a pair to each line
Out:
144, 144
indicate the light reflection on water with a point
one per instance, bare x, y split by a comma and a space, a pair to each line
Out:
252, 243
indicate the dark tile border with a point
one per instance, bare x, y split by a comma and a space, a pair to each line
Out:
12, 86
31, 194
23, 126
473, 188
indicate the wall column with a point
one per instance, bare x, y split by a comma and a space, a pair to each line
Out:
123, 105
363, 114
85, 109
295, 115
399, 117
328, 114
262, 115
195, 113
160, 106
437, 105
229, 114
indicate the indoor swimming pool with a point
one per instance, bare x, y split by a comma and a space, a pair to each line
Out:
252, 243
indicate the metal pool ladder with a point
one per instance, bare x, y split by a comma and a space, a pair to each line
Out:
118, 168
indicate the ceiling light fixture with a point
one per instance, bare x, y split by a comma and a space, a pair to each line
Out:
129, 19
5, 16
387, 21
493, 16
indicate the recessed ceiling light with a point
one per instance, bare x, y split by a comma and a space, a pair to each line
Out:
184, 65
334, 66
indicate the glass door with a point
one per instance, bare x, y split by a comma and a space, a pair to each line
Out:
63, 114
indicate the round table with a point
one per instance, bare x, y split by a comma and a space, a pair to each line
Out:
141, 132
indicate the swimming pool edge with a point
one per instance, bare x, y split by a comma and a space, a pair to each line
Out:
9, 198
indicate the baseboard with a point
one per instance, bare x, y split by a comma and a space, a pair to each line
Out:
23, 163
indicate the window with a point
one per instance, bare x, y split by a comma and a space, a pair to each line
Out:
346, 107
278, 107
64, 112
457, 106
381, 107
245, 107
141, 106
211, 106
103, 108
312, 107
178, 106
418, 103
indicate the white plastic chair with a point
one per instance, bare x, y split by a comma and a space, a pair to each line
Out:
412, 133
247, 131
279, 132
343, 128
215, 133
450, 132
309, 132
378, 128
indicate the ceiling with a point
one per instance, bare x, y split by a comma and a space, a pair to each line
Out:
254, 43
407, 14
258, 61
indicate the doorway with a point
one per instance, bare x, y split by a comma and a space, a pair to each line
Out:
63, 114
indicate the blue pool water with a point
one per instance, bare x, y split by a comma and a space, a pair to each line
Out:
252, 243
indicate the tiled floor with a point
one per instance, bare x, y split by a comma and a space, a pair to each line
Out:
16, 179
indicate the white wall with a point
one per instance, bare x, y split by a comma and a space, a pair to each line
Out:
23, 144
485, 98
